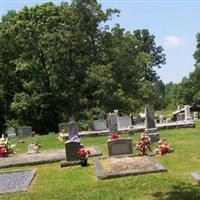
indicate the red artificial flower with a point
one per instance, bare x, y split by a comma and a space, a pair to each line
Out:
114, 136
2, 152
82, 152
33, 133
163, 149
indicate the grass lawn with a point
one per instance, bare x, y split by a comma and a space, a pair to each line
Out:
81, 183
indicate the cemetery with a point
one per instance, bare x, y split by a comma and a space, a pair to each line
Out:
87, 111
119, 156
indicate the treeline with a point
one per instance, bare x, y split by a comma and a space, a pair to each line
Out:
62, 60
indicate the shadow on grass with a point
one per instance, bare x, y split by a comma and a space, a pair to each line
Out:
181, 191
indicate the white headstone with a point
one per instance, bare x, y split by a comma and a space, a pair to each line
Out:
187, 112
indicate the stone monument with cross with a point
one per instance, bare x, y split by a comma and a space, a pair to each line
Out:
151, 129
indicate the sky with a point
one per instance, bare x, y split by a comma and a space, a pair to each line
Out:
173, 23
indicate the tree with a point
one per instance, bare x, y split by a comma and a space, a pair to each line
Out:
63, 60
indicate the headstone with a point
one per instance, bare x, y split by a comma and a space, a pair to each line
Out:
187, 112
149, 117
134, 121
113, 122
196, 116
121, 146
71, 150
125, 122
62, 127
24, 131
99, 125
72, 129
161, 119
10, 132
116, 113
138, 119
180, 117
151, 129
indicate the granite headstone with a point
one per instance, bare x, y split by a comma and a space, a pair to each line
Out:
72, 129
24, 131
121, 146
99, 125
71, 148
10, 132
151, 129
125, 122
113, 122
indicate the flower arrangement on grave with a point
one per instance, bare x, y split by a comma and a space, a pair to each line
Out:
115, 136
163, 147
5, 147
83, 154
34, 147
144, 144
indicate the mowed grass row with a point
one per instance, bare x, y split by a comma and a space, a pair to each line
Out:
74, 183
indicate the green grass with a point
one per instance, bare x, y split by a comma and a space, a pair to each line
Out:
81, 183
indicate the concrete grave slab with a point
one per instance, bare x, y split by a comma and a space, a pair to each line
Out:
114, 167
41, 158
16, 181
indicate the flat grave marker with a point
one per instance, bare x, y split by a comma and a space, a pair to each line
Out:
16, 181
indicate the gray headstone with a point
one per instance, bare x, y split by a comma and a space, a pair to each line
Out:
62, 127
72, 129
99, 125
149, 117
11, 132
187, 112
134, 121
125, 122
71, 150
138, 119
113, 123
121, 146
24, 131
151, 129
180, 117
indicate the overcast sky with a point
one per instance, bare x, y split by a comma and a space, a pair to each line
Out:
174, 24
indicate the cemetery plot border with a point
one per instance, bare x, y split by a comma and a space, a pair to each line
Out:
155, 167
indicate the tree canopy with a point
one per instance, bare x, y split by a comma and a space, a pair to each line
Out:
63, 60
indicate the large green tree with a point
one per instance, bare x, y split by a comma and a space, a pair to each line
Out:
63, 60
